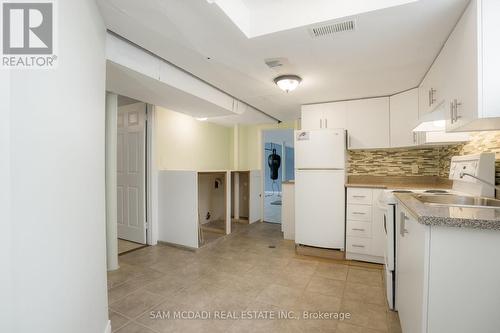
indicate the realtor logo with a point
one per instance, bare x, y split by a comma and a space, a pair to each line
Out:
28, 34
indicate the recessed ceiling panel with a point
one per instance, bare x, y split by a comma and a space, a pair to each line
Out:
261, 17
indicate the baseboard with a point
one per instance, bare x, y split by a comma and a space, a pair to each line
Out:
183, 247
305, 250
364, 257
108, 327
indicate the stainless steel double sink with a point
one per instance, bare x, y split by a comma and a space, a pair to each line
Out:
457, 200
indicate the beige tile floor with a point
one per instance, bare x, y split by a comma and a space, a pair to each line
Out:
125, 246
241, 273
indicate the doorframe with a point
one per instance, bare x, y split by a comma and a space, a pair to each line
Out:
150, 178
151, 190
263, 165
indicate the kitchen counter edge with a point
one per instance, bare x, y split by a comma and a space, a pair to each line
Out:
473, 218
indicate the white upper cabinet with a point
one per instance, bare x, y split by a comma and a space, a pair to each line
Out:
311, 117
431, 90
404, 118
368, 123
464, 79
324, 116
461, 51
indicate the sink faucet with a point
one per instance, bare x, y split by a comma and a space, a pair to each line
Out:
462, 174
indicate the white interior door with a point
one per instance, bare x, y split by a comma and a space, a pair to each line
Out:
255, 205
131, 156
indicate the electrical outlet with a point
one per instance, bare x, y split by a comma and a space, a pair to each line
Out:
414, 168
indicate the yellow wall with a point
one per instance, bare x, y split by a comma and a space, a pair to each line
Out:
184, 143
250, 144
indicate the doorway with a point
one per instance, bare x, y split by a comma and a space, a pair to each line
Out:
278, 165
131, 174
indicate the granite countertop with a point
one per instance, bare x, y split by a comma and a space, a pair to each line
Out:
450, 216
399, 182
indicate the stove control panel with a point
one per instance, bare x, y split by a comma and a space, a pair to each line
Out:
479, 165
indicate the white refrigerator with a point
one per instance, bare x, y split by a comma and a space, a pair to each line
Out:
320, 159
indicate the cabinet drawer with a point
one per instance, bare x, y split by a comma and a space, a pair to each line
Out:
359, 229
359, 212
358, 245
361, 196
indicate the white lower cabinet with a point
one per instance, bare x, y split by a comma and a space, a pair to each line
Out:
446, 277
365, 236
412, 265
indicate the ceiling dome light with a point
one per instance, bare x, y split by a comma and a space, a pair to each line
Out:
288, 82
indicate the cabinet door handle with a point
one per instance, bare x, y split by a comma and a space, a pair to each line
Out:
348, 141
358, 213
457, 104
414, 137
321, 123
385, 223
402, 224
452, 113
326, 123
355, 245
358, 229
359, 196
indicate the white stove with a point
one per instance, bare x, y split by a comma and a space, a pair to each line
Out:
480, 165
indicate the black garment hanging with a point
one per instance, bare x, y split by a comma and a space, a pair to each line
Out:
274, 162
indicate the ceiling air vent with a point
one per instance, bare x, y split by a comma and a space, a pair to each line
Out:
277, 63
331, 29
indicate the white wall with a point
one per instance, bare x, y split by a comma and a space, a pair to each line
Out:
5, 235
57, 183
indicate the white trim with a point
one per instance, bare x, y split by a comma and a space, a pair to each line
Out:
152, 177
262, 168
228, 202
108, 327
110, 174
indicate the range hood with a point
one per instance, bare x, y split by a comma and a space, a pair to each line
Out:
434, 121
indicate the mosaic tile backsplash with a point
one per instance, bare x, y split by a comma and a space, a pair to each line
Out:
432, 161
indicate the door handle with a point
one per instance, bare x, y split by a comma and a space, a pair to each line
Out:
385, 224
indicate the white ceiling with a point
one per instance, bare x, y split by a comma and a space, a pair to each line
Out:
124, 100
390, 50
261, 17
